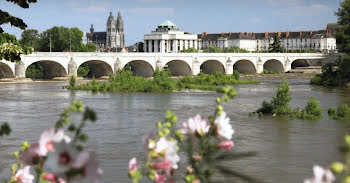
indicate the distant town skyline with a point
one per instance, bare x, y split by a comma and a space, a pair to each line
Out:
194, 16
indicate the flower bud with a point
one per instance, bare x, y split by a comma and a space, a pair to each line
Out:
16, 154
347, 140
337, 167
218, 100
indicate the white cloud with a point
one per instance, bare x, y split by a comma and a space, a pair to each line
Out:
284, 2
167, 11
306, 10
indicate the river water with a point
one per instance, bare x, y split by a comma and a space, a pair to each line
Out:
287, 150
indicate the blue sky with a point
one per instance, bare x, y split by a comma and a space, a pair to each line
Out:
194, 16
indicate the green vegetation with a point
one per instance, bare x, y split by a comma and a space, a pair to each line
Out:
83, 70
62, 39
72, 81
215, 49
11, 49
269, 72
125, 81
211, 81
6, 18
334, 74
338, 74
341, 113
190, 50
276, 46
35, 71
280, 106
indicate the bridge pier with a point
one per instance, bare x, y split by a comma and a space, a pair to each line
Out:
259, 67
72, 68
229, 67
20, 71
196, 67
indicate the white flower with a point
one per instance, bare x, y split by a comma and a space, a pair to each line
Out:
161, 145
170, 149
195, 125
321, 176
224, 128
49, 137
24, 176
171, 154
62, 158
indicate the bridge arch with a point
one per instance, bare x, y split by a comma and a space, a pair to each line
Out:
49, 68
140, 68
274, 65
95, 68
299, 63
244, 67
6, 71
178, 68
211, 66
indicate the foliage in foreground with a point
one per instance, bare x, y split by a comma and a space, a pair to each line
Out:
206, 143
56, 157
341, 113
340, 169
125, 81
280, 106
11, 49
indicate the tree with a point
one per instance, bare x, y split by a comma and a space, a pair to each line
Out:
213, 49
343, 34
276, 46
11, 49
31, 38
190, 50
6, 18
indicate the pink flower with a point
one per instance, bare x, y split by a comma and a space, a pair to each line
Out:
226, 145
195, 125
169, 147
133, 165
24, 176
49, 137
30, 154
321, 176
91, 171
164, 165
159, 178
62, 158
53, 178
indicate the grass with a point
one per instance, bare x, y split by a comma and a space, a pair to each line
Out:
125, 81
340, 113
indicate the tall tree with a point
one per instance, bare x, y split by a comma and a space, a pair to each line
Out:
31, 38
6, 18
11, 49
343, 34
276, 46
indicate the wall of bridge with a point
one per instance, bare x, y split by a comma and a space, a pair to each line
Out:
67, 64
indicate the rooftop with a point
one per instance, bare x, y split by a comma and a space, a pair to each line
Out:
167, 23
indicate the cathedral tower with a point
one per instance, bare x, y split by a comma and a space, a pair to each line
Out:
120, 27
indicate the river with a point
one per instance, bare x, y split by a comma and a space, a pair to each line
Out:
287, 150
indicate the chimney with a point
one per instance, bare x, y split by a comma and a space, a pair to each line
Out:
240, 33
246, 34
230, 34
279, 34
253, 35
222, 34
301, 33
287, 34
310, 32
266, 34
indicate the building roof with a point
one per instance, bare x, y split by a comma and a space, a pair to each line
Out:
167, 23
284, 35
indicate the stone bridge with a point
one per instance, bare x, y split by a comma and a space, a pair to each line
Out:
60, 64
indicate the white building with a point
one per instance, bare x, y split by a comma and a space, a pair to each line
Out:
323, 40
169, 39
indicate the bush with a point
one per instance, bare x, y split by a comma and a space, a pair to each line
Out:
342, 113
72, 81
316, 80
312, 110
280, 103
236, 74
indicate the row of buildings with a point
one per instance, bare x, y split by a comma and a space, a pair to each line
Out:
168, 38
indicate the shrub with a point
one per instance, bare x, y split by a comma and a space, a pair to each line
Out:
316, 80
342, 113
72, 81
280, 103
236, 74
